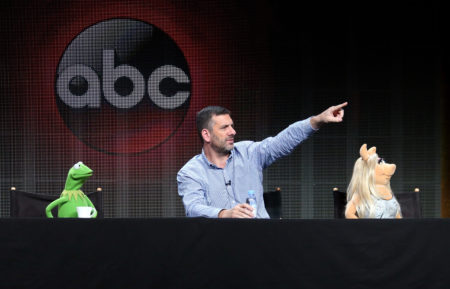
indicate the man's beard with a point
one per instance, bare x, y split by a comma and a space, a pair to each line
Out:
222, 147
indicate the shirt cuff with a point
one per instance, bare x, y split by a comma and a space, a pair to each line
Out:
312, 130
305, 127
215, 212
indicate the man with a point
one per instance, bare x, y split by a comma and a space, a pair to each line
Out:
215, 183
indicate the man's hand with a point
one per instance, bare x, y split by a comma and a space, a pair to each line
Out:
332, 114
239, 211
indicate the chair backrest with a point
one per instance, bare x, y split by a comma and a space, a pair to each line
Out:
96, 198
340, 201
29, 205
410, 204
272, 201
32, 205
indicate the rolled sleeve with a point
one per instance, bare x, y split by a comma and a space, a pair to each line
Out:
193, 195
273, 148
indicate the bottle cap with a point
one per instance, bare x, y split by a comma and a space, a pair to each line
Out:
251, 192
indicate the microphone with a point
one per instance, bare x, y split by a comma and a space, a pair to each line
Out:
228, 183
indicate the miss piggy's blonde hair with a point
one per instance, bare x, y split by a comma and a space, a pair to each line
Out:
363, 185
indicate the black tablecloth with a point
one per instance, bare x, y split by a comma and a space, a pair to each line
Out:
210, 253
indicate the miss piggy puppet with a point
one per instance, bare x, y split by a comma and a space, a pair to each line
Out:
369, 194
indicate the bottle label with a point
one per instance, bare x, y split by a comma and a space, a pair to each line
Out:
252, 202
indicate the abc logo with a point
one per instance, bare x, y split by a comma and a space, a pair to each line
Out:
92, 95
122, 86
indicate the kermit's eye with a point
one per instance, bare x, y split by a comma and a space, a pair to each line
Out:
381, 161
76, 166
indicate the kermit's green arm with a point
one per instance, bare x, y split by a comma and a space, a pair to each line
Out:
59, 201
93, 207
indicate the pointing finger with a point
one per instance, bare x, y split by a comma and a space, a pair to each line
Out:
340, 105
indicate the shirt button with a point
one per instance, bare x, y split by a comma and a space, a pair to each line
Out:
234, 202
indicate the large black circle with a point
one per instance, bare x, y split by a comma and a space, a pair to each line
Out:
135, 43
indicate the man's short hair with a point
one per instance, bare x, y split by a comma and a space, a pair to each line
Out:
205, 115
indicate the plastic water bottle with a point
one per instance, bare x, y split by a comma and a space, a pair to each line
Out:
251, 200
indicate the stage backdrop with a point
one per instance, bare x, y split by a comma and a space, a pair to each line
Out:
117, 84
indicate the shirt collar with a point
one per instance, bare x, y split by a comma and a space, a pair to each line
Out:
205, 159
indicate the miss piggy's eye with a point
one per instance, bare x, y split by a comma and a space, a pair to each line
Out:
380, 161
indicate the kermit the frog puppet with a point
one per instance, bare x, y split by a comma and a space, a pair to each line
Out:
72, 197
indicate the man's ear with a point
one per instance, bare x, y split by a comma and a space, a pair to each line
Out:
206, 135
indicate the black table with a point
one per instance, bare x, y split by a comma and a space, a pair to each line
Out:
210, 253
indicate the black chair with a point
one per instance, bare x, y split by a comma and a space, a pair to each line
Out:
32, 205
410, 204
272, 201
340, 201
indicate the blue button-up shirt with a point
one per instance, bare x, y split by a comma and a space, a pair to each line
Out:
207, 189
